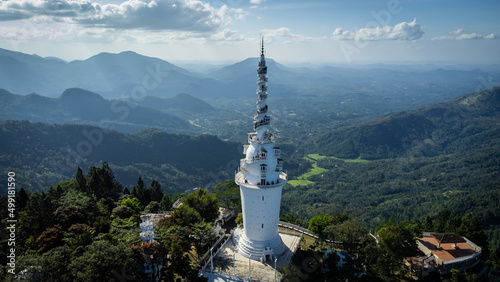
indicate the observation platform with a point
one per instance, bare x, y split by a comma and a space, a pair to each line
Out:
240, 180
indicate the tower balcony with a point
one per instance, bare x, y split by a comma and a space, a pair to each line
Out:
280, 181
262, 96
265, 121
262, 70
261, 80
257, 158
262, 88
260, 111
261, 123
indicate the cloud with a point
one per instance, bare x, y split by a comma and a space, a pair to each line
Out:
227, 35
402, 31
257, 2
460, 34
491, 36
286, 35
184, 15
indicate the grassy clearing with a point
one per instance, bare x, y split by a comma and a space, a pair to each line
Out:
317, 157
303, 180
193, 122
300, 182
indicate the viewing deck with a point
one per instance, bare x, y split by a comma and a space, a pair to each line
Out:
240, 180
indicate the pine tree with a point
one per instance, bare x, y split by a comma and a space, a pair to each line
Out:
139, 191
154, 191
22, 198
81, 183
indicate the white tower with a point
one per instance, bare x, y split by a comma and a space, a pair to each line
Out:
261, 179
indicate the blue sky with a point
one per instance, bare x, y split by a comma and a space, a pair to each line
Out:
347, 31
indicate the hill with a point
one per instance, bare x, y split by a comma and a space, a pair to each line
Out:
182, 102
414, 164
43, 155
78, 106
464, 124
112, 75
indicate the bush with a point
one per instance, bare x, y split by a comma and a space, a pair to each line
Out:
122, 212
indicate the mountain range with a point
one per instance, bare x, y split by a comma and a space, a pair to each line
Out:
462, 124
43, 155
78, 106
128, 74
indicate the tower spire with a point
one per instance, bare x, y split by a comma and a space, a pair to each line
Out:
262, 45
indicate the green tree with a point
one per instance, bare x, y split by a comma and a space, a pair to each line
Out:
204, 203
126, 191
318, 224
288, 218
165, 203
228, 193
397, 240
453, 223
338, 218
50, 266
75, 206
178, 262
427, 226
350, 232
239, 219
185, 215
153, 206
440, 220
22, 198
122, 212
139, 191
102, 261
203, 236
472, 229
81, 182
40, 213
102, 183
131, 203
154, 191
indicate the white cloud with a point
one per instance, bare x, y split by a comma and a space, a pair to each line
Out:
401, 31
184, 15
286, 36
227, 35
491, 36
460, 34
257, 1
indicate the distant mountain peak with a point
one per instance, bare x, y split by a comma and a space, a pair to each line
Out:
78, 93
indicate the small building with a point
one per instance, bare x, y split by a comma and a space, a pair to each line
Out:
444, 252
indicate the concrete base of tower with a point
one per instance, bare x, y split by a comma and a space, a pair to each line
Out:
258, 250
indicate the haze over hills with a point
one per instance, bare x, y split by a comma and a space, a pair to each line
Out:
111, 75
78, 106
129, 74
48, 154
466, 123
182, 101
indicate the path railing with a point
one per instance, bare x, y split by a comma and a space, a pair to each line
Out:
297, 228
